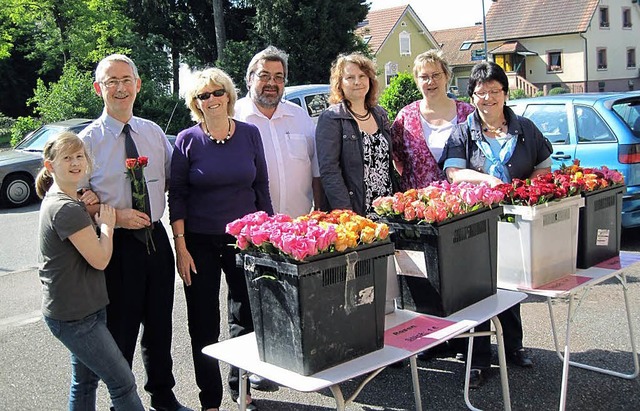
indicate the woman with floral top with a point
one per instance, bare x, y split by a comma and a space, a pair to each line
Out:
422, 128
353, 138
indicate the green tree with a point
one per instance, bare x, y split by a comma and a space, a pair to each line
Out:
313, 32
71, 96
401, 91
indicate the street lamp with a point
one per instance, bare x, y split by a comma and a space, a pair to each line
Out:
484, 30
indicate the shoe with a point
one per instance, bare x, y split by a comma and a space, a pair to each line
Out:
520, 358
251, 406
399, 364
261, 384
475, 378
439, 351
173, 406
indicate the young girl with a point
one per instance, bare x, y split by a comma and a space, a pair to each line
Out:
73, 283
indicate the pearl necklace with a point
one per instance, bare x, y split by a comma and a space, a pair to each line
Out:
206, 131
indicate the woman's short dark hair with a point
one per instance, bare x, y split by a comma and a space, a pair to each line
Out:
485, 72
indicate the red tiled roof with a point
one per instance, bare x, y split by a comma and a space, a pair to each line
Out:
450, 41
379, 25
511, 19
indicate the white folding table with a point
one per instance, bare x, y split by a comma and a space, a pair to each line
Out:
576, 287
242, 352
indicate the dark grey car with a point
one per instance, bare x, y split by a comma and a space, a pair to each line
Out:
20, 166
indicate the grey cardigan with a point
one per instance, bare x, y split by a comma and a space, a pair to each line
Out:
340, 157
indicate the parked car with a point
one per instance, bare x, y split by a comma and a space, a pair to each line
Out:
20, 166
312, 97
599, 129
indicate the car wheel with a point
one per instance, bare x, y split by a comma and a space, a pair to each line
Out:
17, 190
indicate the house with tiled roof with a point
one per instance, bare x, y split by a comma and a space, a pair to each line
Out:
458, 49
581, 45
395, 36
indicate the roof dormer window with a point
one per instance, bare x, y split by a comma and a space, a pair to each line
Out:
465, 46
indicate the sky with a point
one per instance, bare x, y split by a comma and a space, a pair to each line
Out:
440, 14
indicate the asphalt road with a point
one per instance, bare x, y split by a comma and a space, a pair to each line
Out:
34, 371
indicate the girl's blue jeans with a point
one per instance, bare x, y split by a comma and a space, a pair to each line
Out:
95, 356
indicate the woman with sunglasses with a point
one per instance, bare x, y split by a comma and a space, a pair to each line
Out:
218, 174
422, 128
494, 145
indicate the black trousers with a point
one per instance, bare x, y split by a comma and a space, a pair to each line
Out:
141, 287
212, 255
511, 322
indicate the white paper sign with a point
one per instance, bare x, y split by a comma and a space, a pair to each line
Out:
411, 263
602, 237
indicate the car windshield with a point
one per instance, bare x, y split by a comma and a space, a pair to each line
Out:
629, 112
37, 141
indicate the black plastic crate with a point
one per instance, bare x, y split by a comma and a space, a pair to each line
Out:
461, 261
599, 229
314, 315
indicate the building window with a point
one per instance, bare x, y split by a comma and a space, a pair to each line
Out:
604, 17
601, 57
465, 46
626, 18
554, 61
405, 44
390, 71
505, 61
631, 58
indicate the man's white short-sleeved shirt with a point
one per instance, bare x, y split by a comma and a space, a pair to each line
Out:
290, 150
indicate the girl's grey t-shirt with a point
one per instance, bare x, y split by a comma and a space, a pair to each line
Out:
71, 288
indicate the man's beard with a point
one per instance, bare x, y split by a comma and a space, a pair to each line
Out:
267, 101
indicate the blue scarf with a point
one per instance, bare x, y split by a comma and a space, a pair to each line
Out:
496, 167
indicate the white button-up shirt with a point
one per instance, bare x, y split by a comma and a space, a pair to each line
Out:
104, 141
290, 150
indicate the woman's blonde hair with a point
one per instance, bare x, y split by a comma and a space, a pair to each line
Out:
208, 78
367, 66
432, 56
66, 142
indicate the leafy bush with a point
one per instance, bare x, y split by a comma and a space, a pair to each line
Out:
466, 99
539, 93
71, 96
21, 127
558, 90
401, 91
166, 110
516, 94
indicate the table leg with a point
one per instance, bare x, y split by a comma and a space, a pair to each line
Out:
242, 398
337, 395
467, 370
634, 351
502, 361
565, 363
416, 382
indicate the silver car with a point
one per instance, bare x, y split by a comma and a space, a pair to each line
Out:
20, 166
312, 97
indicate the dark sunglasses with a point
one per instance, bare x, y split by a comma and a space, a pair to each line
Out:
216, 93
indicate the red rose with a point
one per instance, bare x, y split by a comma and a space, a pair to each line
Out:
130, 163
143, 161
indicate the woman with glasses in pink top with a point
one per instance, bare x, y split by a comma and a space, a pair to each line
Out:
422, 128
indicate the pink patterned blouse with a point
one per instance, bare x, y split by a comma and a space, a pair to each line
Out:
410, 151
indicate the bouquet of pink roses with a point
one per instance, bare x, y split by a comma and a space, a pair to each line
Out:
437, 202
308, 235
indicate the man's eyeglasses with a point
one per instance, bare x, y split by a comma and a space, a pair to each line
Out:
265, 77
485, 94
429, 78
216, 93
113, 83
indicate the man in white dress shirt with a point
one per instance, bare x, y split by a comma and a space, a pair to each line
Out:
140, 276
288, 134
